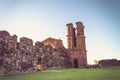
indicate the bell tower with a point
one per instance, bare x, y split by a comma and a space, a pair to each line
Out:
71, 39
76, 45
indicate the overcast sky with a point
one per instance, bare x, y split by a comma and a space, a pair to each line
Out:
40, 19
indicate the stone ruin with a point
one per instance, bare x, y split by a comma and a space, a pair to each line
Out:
109, 62
22, 57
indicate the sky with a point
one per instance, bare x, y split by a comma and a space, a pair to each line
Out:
40, 19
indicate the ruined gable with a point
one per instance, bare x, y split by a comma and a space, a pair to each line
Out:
53, 42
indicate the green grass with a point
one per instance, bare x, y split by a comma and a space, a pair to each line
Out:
69, 74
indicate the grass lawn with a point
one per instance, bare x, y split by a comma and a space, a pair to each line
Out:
112, 73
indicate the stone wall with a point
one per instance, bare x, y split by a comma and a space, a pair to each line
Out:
109, 62
22, 57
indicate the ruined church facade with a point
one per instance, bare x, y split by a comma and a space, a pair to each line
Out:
76, 45
22, 57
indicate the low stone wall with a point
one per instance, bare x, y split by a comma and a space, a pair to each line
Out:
109, 62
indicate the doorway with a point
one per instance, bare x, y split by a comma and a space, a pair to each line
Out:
39, 61
75, 63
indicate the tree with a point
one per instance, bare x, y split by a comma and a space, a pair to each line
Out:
95, 62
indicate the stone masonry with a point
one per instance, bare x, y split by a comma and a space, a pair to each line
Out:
22, 57
76, 45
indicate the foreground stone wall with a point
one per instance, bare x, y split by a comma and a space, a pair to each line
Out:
22, 57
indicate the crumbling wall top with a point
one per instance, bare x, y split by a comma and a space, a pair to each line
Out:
69, 24
4, 33
27, 41
39, 44
79, 24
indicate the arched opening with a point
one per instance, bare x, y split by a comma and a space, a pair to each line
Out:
39, 61
75, 63
38, 66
